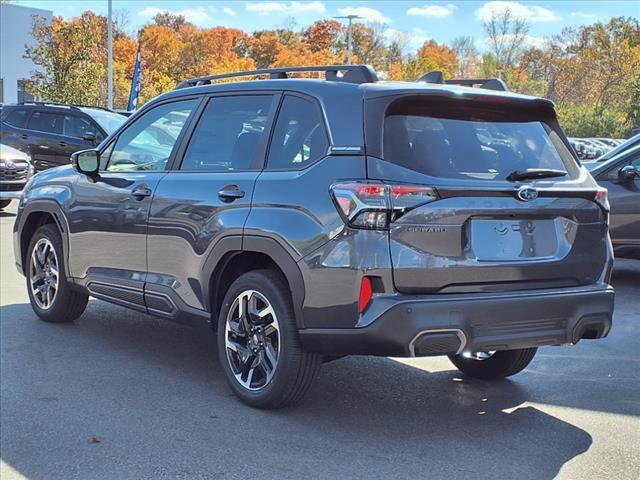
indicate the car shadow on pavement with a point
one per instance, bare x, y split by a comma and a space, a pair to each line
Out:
146, 389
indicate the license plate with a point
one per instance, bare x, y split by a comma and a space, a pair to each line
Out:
512, 240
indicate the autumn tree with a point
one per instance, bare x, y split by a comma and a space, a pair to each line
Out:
506, 36
264, 47
323, 36
431, 56
72, 59
467, 55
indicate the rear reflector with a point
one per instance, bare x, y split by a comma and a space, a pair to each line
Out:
365, 294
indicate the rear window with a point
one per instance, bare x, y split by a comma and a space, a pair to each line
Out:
446, 140
16, 117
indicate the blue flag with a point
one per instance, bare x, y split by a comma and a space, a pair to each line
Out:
135, 83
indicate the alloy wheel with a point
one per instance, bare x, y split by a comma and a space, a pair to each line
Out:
43, 275
252, 340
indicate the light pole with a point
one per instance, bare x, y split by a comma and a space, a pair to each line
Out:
351, 18
109, 59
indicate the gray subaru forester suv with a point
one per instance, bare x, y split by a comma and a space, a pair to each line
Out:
306, 219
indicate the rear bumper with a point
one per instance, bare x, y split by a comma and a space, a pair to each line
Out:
403, 325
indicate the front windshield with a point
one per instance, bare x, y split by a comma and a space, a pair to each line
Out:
108, 121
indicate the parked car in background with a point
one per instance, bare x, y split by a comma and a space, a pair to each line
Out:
584, 149
626, 145
15, 171
620, 175
579, 148
49, 133
610, 142
306, 220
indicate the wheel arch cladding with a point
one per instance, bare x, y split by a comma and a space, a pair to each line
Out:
36, 215
256, 253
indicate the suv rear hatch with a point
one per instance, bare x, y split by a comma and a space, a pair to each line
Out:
511, 208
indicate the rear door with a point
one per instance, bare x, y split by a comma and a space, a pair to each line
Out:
484, 232
205, 197
48, 148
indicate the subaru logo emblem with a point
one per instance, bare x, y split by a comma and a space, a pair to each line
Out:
527, 193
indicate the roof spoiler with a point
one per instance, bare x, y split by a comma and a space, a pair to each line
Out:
486, 83
335, 73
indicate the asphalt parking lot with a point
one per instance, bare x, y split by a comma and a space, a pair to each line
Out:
120, 395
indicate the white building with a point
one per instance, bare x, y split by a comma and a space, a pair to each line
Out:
16, 24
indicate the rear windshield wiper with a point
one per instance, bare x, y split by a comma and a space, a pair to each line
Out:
531, 173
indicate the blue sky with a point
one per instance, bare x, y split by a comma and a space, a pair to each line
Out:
417, 20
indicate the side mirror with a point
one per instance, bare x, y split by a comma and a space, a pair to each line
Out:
89, 137
87, 162
628, 173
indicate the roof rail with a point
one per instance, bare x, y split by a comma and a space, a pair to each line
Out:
486, 83
70, 105
352, 74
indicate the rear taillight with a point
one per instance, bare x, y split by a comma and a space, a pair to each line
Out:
602, 199
373, 205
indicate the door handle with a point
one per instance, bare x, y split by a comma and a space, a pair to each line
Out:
230, 193
141, 192
63, 144
24, 136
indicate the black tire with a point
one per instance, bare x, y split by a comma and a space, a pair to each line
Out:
67, 304
4, 204
499, 365
295, 368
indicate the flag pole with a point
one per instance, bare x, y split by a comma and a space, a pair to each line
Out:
109, 59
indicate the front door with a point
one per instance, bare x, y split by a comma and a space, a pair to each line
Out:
108, 215
206, 197
624, 197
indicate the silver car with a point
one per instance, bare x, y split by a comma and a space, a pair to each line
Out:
15, 171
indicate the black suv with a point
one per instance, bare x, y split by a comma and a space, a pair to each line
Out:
49, 133
307, 219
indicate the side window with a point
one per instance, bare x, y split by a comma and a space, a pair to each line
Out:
46, 122
17, 118
299, 137
77, 127
148, 142
228, 133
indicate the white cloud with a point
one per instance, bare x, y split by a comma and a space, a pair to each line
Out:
533, 41
583, 15
532, 13
418, 30
291, 8
197, 16
434, 11
367, 14
529, 41
230, 11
